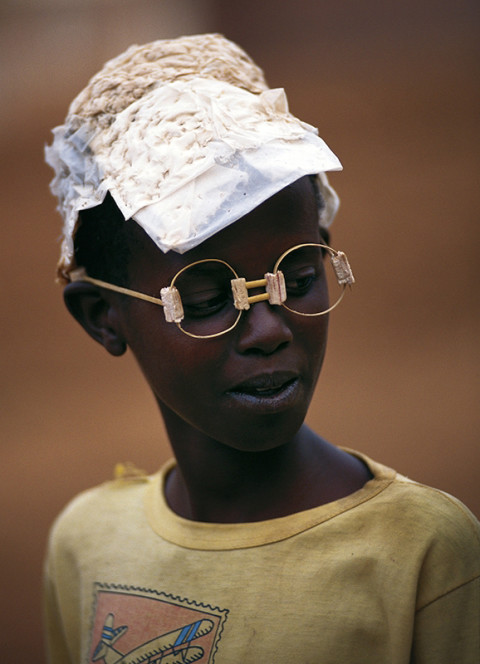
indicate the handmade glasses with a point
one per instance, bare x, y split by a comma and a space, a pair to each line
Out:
206, 298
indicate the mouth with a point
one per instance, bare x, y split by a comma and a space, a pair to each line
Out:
267, 391
264, 386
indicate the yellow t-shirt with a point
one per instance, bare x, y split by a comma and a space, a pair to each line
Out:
387, 575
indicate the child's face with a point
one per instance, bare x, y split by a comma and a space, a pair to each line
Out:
250, 388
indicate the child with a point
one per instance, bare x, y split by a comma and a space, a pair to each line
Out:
196, 210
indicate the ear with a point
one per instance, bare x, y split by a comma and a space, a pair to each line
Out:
97, 315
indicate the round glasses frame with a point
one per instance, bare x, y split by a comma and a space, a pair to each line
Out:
273, 282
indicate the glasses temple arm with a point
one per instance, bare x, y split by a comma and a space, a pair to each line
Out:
81, 275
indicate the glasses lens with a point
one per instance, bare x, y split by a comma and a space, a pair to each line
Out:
206, 292
309, 278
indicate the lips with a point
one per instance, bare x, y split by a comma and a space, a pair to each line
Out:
265, 384
267, 391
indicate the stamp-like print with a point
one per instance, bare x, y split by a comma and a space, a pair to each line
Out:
139, 626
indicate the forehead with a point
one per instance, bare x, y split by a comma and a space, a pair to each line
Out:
288, 218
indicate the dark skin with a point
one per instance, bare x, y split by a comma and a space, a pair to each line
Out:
241, 457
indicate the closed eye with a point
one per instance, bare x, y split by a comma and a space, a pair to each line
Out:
299, 282
205, 303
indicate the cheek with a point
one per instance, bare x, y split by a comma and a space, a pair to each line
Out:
312, 338
174, 364
312, 335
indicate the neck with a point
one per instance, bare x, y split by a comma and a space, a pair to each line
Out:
217, 483
225, 485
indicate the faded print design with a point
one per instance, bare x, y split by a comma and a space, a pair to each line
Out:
135, 625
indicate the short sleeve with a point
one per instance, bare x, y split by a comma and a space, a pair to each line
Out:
56, 646
448, 629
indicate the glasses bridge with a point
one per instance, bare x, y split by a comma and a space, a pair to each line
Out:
275, 290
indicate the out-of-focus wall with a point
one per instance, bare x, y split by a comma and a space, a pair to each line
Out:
393, 88
50, 48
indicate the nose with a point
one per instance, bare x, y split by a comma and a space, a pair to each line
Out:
263, 329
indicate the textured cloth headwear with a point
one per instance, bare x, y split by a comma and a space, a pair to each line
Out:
187, 137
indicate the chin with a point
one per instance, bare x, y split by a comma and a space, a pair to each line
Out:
265, 434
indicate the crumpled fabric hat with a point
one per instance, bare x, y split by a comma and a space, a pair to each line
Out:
187, 137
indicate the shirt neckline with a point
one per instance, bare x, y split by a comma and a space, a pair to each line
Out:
227, 536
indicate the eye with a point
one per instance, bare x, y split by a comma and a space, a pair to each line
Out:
299, 281
205, 288
205, 303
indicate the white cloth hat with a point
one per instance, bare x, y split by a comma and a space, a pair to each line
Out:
187, 137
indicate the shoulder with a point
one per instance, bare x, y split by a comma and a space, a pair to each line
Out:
421, 511
417, 507
432, 531
434, 511
445, 517
98, 511
409, 513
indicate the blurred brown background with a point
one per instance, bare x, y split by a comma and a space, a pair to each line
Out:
393, 88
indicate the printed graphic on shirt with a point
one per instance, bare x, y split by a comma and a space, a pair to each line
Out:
135, 625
